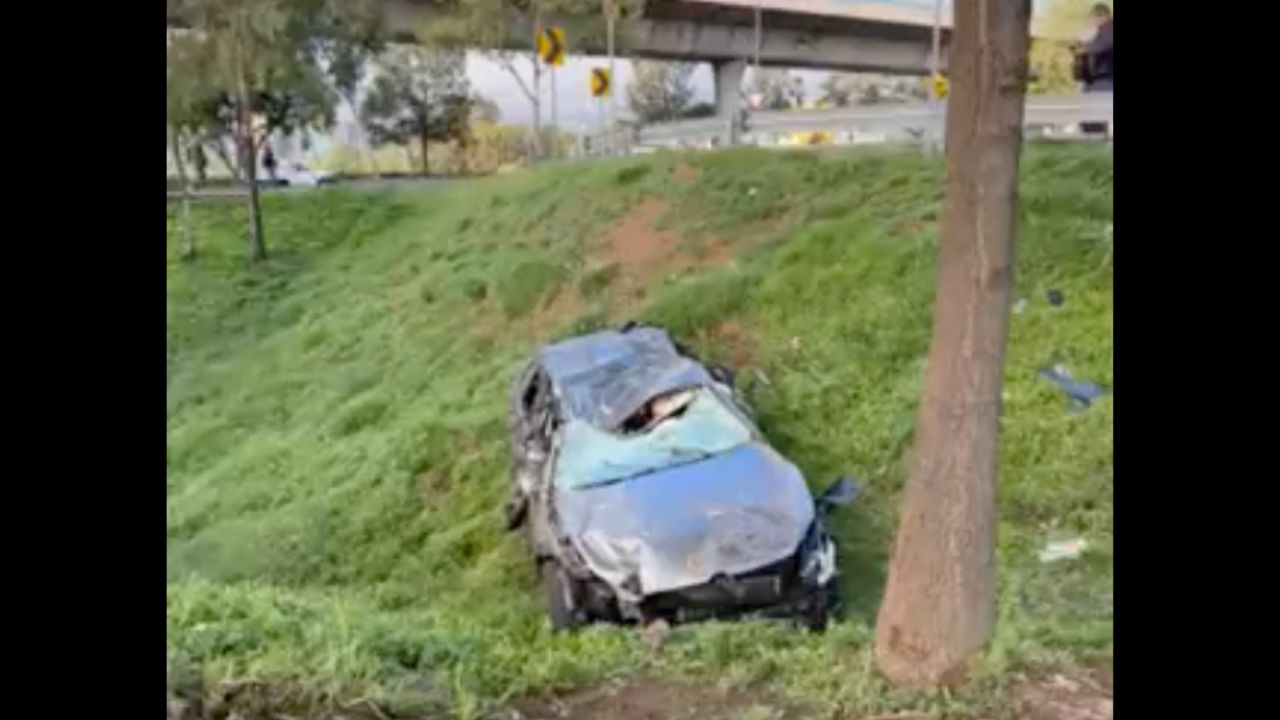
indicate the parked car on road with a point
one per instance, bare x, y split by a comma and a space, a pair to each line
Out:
648, 492
295, 174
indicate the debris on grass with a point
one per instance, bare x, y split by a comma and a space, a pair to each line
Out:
1056, 298
1063, 550
1020, 306
1081, 392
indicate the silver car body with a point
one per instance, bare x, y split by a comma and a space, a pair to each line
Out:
701, 497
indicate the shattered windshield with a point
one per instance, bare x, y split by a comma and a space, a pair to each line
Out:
685, 427
606, 377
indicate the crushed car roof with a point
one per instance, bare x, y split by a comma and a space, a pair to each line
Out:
607, 376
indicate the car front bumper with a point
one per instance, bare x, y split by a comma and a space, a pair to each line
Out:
778, 590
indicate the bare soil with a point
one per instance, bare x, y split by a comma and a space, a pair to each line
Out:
730, 341
1055, 696
646, 254
687, 173
649, 699
1062, 697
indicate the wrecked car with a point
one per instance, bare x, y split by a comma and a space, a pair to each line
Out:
647, 492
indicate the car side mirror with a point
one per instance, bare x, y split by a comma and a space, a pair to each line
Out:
841, 492
723, 374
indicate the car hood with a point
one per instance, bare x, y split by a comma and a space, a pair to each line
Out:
682, 526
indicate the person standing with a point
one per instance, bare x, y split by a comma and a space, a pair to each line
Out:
269, 162
1095, 60
200, 162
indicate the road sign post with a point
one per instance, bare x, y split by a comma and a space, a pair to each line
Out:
551, 50
936, 90
601, 83
610, 15
555, 115
551, 46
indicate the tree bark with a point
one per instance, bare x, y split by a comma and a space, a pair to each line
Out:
249, 161
939, 603
187, 238
426, 164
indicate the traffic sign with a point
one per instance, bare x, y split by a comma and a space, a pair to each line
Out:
599, 82
940, 85
551, 46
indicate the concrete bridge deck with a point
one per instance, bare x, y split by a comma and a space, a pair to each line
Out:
847, 35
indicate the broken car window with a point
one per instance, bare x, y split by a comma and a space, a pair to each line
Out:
689, 425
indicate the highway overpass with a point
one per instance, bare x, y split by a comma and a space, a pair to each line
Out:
882, 36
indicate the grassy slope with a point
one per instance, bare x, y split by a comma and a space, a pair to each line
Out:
336, 464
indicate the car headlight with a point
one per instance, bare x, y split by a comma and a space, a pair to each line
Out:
817, 557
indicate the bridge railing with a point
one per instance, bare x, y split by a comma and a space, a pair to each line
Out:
917, 122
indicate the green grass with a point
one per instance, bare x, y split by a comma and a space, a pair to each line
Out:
335, 438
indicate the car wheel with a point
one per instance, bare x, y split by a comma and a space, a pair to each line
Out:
562, 596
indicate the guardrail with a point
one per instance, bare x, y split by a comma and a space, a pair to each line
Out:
882, 123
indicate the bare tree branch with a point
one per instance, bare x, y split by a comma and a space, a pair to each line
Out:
504, 60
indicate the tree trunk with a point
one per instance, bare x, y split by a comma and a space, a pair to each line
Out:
426, 163
248, 159
187, 239
939, 604
229, 160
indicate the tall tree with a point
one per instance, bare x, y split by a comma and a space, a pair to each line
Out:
660, 91
938, 609
485, 110
777, 88
270, 58
417, 94
188, 96
495, 26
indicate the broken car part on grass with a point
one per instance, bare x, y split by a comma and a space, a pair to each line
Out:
647, 491
1082, 393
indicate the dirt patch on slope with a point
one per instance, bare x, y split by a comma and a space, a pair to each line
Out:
645, 254
1059, 697
687, 173
729, 341
648, 699
636, 244
553, 312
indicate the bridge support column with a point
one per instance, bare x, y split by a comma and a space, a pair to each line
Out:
729, 96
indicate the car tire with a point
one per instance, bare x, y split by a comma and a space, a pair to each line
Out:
562, 597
